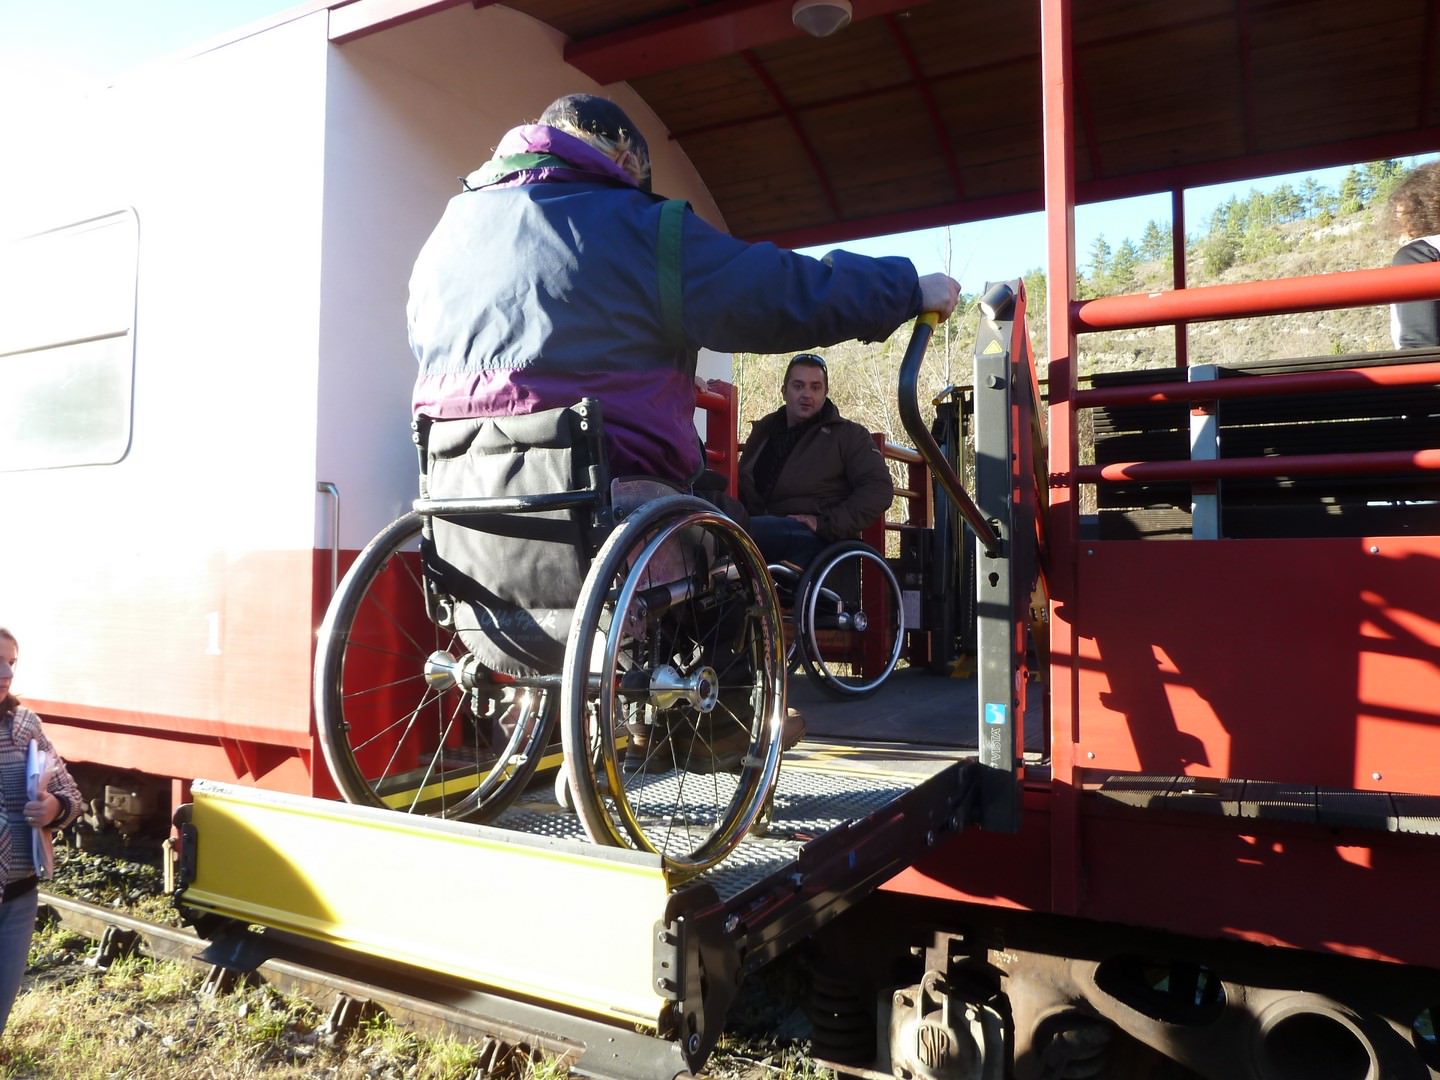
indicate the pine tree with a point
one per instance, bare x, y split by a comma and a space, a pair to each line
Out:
1155, 242
1352, 192
1100, 255
1123, 267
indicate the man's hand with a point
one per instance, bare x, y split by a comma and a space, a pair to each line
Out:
810, 521
940, 292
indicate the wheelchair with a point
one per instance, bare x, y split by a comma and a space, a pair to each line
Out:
844, 619
471, 627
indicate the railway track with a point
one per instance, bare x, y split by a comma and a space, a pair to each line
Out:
356, 988
414, 1000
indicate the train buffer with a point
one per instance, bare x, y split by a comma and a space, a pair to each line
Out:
559, 942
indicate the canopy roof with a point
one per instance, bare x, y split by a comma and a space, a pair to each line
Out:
928, 112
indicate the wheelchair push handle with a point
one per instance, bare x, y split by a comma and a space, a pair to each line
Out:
925, 443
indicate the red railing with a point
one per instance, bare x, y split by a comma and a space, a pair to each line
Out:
722, 447
1317, 292
1355, 288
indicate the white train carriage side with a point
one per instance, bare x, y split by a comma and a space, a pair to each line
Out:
204, 374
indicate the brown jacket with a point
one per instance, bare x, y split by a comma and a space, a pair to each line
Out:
835, 472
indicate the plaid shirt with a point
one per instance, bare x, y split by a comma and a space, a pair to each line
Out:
18, 725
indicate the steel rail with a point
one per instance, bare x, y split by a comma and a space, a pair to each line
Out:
414, 999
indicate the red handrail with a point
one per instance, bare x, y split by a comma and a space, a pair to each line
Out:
1385, 461
1302, 382
722, 448
1353, 288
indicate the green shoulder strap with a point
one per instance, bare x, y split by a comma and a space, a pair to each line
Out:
667, 252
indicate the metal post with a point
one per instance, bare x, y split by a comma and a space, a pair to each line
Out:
1205, 446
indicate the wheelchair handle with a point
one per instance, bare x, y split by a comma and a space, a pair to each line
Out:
925, 443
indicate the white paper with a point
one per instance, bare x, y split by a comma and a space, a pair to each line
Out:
35, 770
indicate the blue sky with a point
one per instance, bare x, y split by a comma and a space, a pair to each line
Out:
47, 44
90, 39
1004, 248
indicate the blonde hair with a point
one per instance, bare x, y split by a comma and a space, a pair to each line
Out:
637, 165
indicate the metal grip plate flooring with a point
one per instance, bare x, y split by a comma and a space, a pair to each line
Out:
819, 789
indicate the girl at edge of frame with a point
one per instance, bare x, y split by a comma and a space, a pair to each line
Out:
1413, 220
58, 805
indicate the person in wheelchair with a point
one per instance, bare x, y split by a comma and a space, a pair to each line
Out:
550, 278
557, 275
808, 476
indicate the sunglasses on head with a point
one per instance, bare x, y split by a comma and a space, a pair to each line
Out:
808, 358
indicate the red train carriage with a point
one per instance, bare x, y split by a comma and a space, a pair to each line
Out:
1212, 856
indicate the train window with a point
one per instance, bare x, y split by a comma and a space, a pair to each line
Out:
67, 344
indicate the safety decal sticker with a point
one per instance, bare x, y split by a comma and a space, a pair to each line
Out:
995, 712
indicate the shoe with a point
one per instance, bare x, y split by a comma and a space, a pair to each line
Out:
646, 751
724, 753
794, 729
727, 752
647, 746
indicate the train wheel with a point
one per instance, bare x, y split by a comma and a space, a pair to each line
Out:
673, 692
407, 719
850, 621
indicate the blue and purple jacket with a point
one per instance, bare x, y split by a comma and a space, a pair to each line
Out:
540, 285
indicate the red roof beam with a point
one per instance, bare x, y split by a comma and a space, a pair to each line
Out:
957, 212
932, 108
802, 139
706, 33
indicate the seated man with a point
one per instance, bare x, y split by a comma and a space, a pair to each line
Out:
808, 476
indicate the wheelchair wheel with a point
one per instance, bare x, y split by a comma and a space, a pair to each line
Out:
673, 693
850, 622
407, 719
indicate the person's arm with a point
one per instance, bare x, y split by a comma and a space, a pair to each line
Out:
743, 297
61, 786
871, 489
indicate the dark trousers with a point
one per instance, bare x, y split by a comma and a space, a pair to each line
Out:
783, 539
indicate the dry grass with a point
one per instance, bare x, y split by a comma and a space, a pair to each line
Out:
152, 1020
144, 1019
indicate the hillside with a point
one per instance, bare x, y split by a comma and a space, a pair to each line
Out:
863, 377
1348, 242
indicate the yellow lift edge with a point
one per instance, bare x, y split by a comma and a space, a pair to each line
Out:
466, 900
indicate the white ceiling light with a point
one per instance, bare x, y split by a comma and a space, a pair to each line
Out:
821, 18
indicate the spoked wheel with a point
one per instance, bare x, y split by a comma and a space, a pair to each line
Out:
407, 719
850, 621
673, 693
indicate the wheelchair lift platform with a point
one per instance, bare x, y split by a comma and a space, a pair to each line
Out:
571, 941
528, 909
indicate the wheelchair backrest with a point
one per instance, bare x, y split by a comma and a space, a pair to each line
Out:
508, 582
